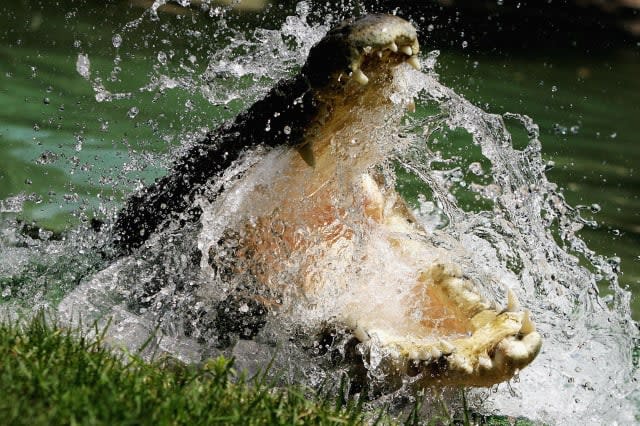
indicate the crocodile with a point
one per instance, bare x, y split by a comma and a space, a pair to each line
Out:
318, 209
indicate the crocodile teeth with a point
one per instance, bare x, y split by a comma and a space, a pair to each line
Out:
414, 62
527, 325
446, 347
485, 362
392, 47
359, 76
361, 334
406, 50
512, 301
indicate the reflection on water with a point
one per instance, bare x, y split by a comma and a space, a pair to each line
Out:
90, 110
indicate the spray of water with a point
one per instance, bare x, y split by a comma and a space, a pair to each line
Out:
528, 239
499, 217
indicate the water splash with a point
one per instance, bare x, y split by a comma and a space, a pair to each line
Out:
513, 226
529, 238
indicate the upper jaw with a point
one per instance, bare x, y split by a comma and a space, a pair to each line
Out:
356, 47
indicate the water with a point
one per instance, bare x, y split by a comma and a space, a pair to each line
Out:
96, 113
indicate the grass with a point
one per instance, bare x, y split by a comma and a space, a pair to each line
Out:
50, 375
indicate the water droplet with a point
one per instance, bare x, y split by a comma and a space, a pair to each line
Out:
430, 27
554, 89
595, 208
133, 112
476, 169
431, 59
116, 40
287, 130
613, 135
47, 157
79, 142
162, 58
83, 66
559, 129
46, 101
464, 44
101, 97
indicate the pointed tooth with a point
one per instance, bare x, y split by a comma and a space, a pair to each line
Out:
392, 47
425, 354
446, 347
512, 301
460, 363
433, 353
306, 153
379, 53
406, 50
527, 325
415, 47
367, 49
359, 76
414, 62
485, 362
361, 335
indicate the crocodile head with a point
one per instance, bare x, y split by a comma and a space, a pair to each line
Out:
326, 216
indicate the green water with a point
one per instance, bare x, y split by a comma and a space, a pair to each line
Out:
68, 152
589, 116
